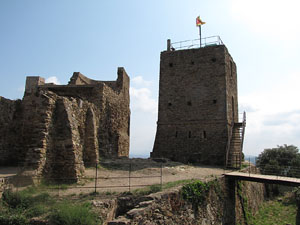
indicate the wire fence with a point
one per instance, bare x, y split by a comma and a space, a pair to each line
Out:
284, 167
195, 43
126, 177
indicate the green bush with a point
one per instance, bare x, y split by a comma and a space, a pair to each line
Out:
16, 199
36, 210
23, 199
68, 214
14, 219
283, 161
155, 188
195, 192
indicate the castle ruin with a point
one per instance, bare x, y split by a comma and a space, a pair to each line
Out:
59, 129
198, 107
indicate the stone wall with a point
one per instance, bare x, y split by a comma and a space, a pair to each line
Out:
222, 206
10, 125
195, 104
62, 128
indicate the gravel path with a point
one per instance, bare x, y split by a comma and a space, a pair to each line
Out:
113, 175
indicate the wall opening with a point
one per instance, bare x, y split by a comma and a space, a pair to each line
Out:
231, 69
189, 103
204, 134
214, 101
170, 64
190, 134
176, 134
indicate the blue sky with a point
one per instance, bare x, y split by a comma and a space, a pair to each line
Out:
54, 38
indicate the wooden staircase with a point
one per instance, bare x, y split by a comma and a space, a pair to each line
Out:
235, 144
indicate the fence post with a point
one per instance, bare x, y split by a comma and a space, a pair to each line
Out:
58, 187
249, 166
161, 166
129, 176
96, 178
17, 183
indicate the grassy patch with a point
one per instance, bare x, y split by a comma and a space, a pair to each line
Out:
244, 202
244, 165
17, 208
68, 214
157, 187
276, 212
148, 190
176, 183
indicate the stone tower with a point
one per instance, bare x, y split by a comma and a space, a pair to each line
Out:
198, 107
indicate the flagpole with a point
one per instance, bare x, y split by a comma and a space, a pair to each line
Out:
200, 35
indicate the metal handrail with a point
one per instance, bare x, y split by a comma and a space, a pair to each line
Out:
230, 137
243, 132
195, 43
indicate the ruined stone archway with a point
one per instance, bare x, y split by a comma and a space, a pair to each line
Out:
90, 148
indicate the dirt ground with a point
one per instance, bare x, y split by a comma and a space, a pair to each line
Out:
121, 175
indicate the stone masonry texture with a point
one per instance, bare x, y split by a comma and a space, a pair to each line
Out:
197, 105
57, 130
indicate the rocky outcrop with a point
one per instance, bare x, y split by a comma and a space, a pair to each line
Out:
222, 206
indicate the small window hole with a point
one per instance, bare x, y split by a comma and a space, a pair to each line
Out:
190, 134
204, 134
213, 59
176, 134
189, 103
214, 101
169, 104
170, 64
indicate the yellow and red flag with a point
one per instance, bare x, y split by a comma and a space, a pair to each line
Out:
199, 22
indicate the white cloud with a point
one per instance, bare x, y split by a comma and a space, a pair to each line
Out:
275, 119
143, 118
52, 80
272, 18
140, 81
141, 100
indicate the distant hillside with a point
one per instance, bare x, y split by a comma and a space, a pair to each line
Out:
144, 156
252, 158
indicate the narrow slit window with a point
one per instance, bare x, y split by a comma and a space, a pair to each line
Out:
176, 134
204, 134
231, 69
190, 134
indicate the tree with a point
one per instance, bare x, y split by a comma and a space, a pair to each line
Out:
283, 160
